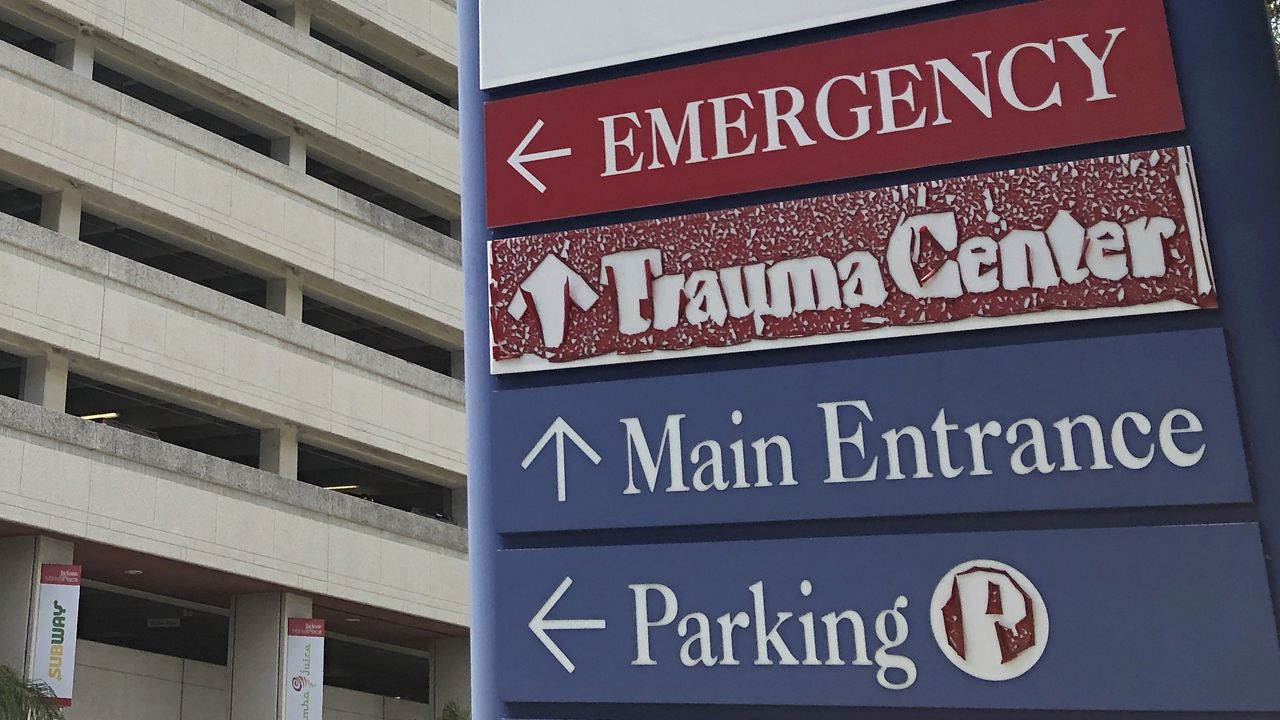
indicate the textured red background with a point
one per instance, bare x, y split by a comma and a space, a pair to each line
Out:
1117, 188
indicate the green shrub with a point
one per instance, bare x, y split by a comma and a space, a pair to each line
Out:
21, 699
452, 711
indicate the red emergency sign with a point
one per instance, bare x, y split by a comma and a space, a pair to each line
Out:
1046, 74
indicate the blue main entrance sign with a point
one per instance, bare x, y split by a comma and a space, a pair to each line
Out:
1078, 424
1030, 518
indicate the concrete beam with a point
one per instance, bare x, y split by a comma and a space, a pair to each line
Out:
252, 236
263, 369
181, 505
143, 455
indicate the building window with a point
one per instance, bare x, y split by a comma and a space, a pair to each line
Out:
155, 97
369, 482
349, 183
260, 6
165, 421
377, 670
19, 202
153, 625
167, 257
374, 335
24, 40
328, 38
10, 375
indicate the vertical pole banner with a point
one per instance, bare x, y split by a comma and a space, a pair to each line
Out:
54, 662
304, 670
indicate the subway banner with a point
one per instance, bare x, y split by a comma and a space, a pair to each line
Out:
304, 670
56, 620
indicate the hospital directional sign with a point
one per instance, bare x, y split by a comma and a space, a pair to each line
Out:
914, 364
1080, 424
1040, 75
982, 620
1092, 238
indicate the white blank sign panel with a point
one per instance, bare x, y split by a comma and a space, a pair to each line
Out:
523, 40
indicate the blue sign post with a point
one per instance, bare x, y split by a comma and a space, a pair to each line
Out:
1034, 518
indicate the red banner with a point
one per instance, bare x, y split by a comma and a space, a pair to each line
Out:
1045, 74
60, 574
1108, 236
306, 627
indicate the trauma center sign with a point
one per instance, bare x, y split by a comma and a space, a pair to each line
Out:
1101, 237
1041, 75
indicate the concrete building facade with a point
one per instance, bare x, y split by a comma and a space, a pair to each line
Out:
230, 349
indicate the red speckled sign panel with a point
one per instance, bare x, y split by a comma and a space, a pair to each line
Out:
1038, 75
1106, 236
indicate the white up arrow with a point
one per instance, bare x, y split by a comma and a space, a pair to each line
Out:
518, 157
560, 430
551, 286
540, 625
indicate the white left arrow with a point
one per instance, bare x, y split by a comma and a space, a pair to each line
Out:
518, 157
540, 625
559, 430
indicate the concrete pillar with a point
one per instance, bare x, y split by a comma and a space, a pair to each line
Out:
259, 631
44, 381
298, 15
290, 150
457, 365
278, 451
284, 295
451, 673
75, 55
60, 212
458, 505
20, 561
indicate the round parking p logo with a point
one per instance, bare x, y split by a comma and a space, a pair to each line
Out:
989, 620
